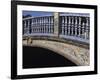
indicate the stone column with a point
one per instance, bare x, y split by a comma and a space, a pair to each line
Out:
56, 24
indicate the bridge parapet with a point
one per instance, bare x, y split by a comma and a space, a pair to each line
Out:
74, 26
66, 34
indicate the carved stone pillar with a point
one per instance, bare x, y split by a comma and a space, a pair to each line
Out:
56, 24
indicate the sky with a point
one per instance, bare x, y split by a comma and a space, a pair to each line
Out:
42, 13
36, 13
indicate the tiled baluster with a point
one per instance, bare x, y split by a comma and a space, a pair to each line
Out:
38, 28
31, 25
40, 25
49, 24
46, 22
83, 30
69, 25
23, 26
46, 25
43, 25
79, 27
35, 24
65, 25
52, 24
62, 25
28, 26
25, 29
87, 29
75, 26
72, 25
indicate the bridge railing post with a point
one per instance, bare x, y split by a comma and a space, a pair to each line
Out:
56, 24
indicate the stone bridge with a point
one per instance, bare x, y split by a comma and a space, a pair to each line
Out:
77, 53
70, 38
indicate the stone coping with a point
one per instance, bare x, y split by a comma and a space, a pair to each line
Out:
57, 39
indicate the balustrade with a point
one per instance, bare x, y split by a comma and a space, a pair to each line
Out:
77, 26
39, 25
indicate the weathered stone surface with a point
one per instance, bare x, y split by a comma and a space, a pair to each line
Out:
56, 23
76, 54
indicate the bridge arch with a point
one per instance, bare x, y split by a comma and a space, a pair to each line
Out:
77, 55
40, 57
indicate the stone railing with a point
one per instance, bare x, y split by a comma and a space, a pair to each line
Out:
38, 25
73, 26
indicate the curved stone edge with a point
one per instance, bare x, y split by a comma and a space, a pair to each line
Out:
79, 56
